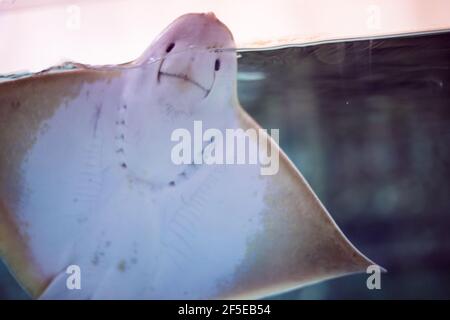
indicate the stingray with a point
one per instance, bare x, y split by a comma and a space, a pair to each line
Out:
86, 180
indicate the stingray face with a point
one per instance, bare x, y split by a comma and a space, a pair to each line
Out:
193, 65
189, 76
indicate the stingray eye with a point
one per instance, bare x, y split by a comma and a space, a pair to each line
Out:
170, 47
217, 65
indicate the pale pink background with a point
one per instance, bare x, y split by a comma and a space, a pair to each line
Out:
37, 34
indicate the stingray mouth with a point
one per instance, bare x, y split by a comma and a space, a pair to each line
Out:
184, 77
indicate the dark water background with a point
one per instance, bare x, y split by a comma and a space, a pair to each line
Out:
368, 124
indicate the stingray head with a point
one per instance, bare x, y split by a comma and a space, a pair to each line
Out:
189, 71
195, 57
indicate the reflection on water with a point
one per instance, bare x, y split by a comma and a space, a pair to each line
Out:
368, 123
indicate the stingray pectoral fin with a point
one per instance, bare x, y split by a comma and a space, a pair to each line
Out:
27, 107
14, 251
300, 243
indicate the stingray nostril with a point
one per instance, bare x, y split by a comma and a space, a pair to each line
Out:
217, 65
170, 47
